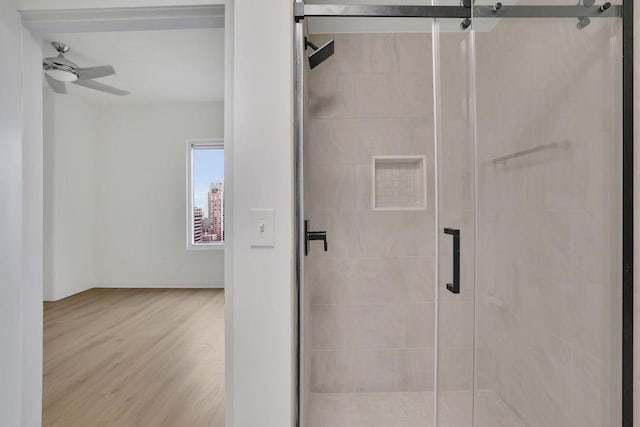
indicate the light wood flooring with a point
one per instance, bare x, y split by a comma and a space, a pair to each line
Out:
135, 358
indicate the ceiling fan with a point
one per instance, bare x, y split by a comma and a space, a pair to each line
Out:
58, 70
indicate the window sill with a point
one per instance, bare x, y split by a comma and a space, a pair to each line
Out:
205, 247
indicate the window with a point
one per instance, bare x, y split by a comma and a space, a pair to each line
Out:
205, 194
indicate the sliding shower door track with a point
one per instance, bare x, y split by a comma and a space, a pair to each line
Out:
302, 10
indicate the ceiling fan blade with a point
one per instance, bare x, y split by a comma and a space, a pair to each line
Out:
91, 84
57, 86
88, 73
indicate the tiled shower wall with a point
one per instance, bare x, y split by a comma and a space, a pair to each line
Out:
548, 246
371, 296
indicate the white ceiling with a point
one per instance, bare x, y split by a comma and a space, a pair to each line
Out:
155, 66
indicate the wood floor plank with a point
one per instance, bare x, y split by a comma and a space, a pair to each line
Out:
135, 357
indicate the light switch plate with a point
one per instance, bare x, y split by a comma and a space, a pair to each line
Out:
262, 227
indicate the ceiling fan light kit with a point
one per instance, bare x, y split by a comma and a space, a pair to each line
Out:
65, 76
59, 70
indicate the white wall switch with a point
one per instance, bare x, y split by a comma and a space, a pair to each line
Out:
262, 227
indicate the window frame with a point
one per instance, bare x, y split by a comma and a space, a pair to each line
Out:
193, 144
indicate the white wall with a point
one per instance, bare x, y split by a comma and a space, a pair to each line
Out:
141, 196
115, 198
70, 135
20, 228
32, 225
262, 312
11, 324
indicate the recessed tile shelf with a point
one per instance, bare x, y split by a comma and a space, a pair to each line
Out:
399, 183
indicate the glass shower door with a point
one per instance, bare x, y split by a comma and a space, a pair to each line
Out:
549, 201
467, 175
454, 137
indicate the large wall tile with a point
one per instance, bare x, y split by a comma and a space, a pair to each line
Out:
455, 324
331, 95
420, 367
356, 140
388, 280
325, 280
377, 370
414, 52
334, 187
456, 367
375, 326
328, 327
420, 325
384, 95
330, 372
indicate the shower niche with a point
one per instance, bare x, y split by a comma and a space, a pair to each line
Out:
399, 183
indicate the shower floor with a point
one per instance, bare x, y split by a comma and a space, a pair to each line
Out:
407, 409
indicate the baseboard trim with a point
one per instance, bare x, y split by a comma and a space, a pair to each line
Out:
139, 285
176, 285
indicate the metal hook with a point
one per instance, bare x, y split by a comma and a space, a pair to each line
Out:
497, 7
583, 22
604, 7
465, 24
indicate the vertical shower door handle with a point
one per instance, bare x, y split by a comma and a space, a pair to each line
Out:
455, 286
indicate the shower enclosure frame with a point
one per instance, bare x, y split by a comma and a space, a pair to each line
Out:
625, 11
